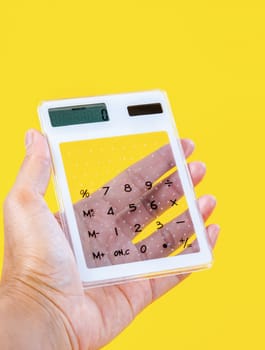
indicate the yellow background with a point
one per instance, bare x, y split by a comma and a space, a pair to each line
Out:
209, 57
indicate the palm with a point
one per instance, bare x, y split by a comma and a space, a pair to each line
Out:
116, 306
39, 259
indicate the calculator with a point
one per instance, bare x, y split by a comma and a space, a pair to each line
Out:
127, 202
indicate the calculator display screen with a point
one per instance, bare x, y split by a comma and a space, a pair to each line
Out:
78, 114
127, 198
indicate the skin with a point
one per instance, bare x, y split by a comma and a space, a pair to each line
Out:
42, 301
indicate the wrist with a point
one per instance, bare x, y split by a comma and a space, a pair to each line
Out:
27, 322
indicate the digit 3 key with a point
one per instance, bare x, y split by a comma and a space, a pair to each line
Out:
126, 197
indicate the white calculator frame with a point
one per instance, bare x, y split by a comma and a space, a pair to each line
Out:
120, 123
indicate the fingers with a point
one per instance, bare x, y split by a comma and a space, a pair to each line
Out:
25, 199
176, 233
138, 178
35, 171
160, 198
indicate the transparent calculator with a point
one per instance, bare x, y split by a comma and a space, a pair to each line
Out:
126, 197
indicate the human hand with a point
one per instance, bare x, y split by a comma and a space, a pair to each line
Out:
40, 280
112, 220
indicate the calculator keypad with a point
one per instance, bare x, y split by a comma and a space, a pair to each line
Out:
127, 199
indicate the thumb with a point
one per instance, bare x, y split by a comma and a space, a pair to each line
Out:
34, 242
35, 171
25, 200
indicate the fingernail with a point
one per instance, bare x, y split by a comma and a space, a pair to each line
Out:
206, 205
203, 165
29, 139
189, 146
214, 234
209, 199
191, 143
214, 201
201, 168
